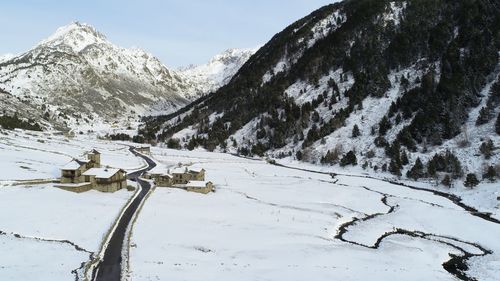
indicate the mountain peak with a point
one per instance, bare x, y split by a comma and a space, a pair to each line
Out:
76, 35
219, 70
229, 55
78, 72
5, 57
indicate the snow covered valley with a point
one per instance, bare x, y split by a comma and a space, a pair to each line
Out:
264, 222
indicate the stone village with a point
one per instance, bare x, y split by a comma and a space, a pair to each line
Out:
81, 175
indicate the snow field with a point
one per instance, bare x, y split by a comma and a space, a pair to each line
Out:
30, 259
40, 155
34, 215
270, 223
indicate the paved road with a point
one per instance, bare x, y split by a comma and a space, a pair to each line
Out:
109, 269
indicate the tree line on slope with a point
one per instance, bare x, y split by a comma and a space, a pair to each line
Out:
14, 122
457, 41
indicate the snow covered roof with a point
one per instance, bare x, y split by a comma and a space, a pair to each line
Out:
158, 170
197, 184
72, 165
196, 170
180, 170
94, 151
82, 161
101, 173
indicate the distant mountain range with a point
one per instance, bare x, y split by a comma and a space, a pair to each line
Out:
374, 83
76, 76
218, 71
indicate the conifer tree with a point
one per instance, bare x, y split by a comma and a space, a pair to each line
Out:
491, 174
431, 168
174, 143
471, 180
384, 126
487, 148
447, 181
483, 117
497, 124
298, 155
404, 158
349, 159
417, 171
355, 131
394, 167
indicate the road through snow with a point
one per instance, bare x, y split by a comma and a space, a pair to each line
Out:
109, 269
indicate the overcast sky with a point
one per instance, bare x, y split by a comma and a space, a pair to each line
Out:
179, 32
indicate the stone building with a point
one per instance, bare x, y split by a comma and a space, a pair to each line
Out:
95, 158
73, 171
143, 149
184, 175
199, 186
197, 174
106, 179
190, 179
83, 175
164, 180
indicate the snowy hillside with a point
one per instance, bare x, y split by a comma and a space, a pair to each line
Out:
344, 87
218, 71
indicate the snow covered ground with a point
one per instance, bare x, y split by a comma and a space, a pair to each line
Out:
46, 232
482, 197
272, 223
51, 213
44, 212
31, 259
37, 155
264, 222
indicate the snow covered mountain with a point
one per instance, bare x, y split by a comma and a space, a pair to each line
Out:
218, 71
406, 87
5, 57
76, 76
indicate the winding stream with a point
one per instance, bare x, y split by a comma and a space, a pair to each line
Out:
456, 265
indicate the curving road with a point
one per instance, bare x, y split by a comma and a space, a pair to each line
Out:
109, 269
